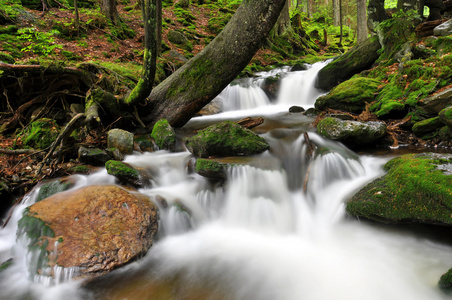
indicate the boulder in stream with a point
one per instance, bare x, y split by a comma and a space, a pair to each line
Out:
417, 188
91, 230
351, 133
226, 139
164, 135
128, 174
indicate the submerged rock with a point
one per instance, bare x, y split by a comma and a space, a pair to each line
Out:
351, 133
417, 188
93, 230
226, 139
351, 95
445, 282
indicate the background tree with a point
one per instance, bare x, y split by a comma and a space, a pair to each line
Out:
110, 11
361, 21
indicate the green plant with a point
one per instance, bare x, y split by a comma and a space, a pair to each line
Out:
41, 43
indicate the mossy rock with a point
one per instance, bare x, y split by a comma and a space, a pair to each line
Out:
145, 142
445, 282
164, 135
211, 168
351, 133
358, 59
52, 187
41, 134
351, 95
93, 156
446, 116
388, 108
226, 139
427, 126
127, 173
177, 37
6, 265
417, 188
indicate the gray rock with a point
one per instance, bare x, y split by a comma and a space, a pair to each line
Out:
120, 139
177, 37
351, 133
92, 156
444, 29
438, 102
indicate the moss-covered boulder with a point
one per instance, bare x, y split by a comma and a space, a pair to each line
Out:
424, 128
445, 282
93, 230
211, 168
128, 174
446, 116
121, 140
417, 188
144, 142
226, 139
358, 59
351, 133
351, 95
164, 135
41, 133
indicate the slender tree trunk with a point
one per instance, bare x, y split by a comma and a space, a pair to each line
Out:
77, 17
179, 97
310, 7
336, 13
144, 85
361, 20
159, 26
110, 11
340, 20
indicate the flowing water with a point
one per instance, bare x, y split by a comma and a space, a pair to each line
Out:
276, 229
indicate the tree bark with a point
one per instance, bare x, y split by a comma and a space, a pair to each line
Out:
375, 14
144, 85
283, 22
191, 87
336, 13
361, 20
110, 11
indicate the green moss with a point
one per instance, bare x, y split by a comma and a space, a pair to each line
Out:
210, 168
415, 189
164, 135
121, 170
424, 127
226, 139
351, 95
51, 188
41, 134
6, 265
445, 282
7, 58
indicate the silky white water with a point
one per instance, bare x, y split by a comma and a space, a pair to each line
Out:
275, 229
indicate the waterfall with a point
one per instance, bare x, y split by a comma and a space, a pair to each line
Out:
275, 229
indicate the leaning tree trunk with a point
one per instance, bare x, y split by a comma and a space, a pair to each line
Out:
191, 87
283, 22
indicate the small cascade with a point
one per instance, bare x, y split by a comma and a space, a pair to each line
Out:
242, 94
297, 88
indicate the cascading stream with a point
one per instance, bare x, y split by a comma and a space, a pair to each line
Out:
273, 232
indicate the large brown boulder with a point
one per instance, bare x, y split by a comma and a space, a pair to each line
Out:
94, 229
